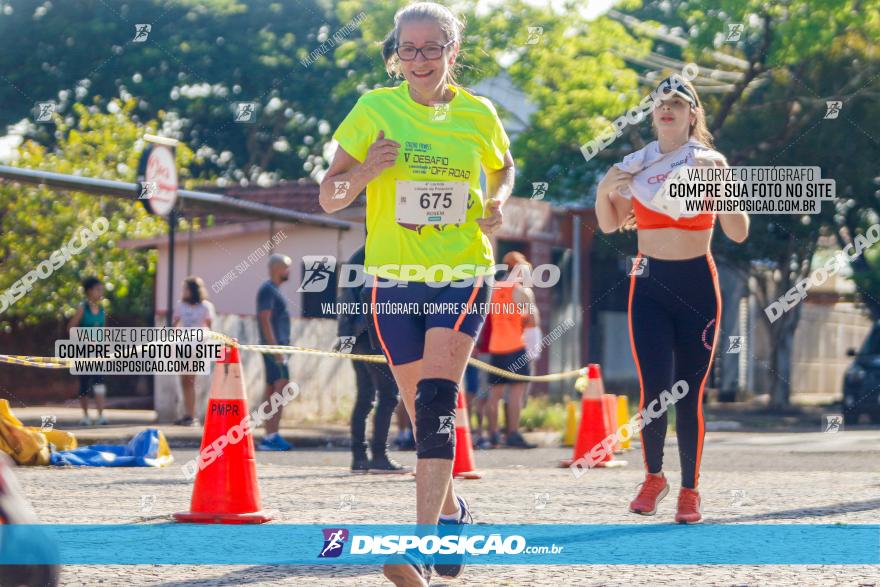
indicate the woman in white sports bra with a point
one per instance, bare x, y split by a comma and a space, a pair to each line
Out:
674, 299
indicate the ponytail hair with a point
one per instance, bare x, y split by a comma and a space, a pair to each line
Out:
699, 130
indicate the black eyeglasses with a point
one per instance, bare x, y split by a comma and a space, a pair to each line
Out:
429, 52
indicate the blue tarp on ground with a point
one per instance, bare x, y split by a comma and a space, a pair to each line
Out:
148, 448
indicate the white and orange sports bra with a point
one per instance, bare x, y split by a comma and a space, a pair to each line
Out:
651, 168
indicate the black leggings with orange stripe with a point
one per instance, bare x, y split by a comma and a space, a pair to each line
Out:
674, 307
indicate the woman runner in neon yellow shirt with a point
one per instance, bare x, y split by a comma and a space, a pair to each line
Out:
418, 149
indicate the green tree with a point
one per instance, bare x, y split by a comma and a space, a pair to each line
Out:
36, 221
765, 97
795, 56
199, 57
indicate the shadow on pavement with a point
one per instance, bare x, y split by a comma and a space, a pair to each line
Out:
811, 512
157, 481
261, 573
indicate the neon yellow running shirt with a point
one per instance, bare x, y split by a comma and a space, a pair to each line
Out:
442, 143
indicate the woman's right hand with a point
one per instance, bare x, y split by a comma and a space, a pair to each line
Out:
614, 180
381, 155
613, 210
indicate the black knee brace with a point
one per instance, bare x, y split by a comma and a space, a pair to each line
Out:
435, 418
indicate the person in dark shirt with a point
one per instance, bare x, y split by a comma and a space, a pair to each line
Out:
274, 324
372, 379
90, 314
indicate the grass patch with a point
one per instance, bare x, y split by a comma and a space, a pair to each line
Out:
542, 414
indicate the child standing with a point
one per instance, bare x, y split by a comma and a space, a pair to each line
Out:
90, 314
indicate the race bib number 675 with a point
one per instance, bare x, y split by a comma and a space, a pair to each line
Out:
431, 202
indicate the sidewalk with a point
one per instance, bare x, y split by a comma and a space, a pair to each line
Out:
753, 417
125, 423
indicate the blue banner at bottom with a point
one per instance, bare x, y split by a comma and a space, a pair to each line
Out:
503, 544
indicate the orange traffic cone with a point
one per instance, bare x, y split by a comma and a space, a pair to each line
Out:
609, 403
463, 466
226, 489
594, 426
611, 421
573, 429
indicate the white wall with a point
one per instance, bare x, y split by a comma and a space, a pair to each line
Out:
617, 363
216, 252
326, 384
823, 335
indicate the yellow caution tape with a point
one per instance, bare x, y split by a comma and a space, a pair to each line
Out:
277, 349
56, 363
44, 362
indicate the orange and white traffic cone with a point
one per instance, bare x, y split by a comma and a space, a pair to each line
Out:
594, 427
609, 403
226, 489
463, 466
612, 418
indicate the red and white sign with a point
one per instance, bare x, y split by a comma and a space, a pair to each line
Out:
161, 171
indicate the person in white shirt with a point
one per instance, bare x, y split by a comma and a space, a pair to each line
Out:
193, 311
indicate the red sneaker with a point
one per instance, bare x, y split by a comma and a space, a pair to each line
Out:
688, 507
652, 491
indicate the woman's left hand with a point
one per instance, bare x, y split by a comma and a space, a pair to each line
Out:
493, 220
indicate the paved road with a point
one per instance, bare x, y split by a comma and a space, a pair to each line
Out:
746, 478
